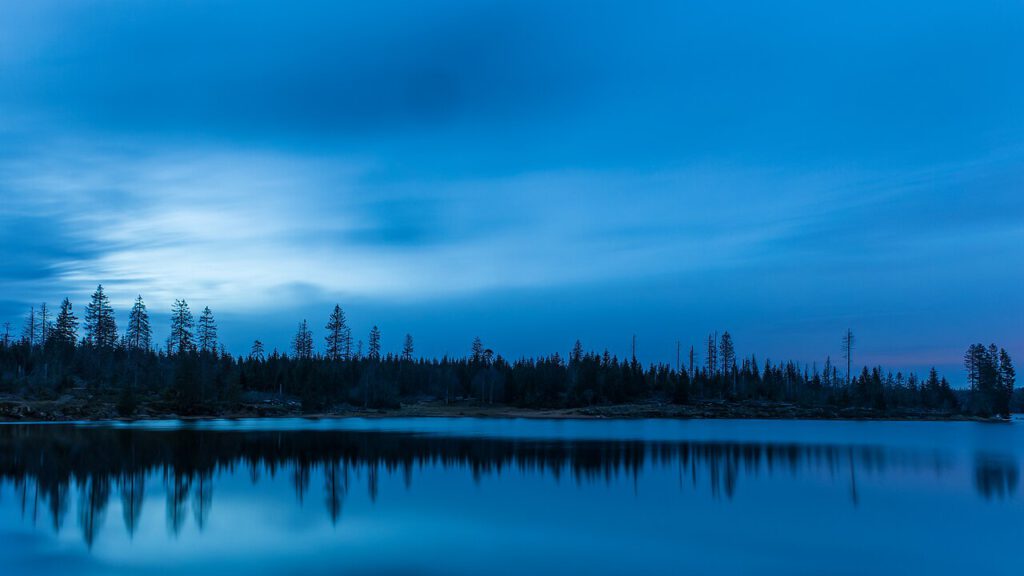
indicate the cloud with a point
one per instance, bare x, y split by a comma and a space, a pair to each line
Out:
233, 227
832, 163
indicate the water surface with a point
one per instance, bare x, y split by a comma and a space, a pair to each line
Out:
472, 496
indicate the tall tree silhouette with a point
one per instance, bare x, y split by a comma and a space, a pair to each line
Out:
181, 339
408, 348
65, 330
45, 324
339, 336
477, 350
100, 326
727, 356
140, 334
712, 357
207, 331
1008, 378
577, 352
30, 333
302, 343
256, 352
374, 344
848, 345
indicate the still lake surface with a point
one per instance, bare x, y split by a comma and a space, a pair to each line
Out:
487, 496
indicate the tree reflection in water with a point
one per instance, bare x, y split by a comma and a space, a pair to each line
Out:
47, 464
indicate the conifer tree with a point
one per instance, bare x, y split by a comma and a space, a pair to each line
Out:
181, 340
727, 353
100, 326
374, 344
256, 352
302, 344
712, 358
1008, 378
207, 331
408, 348
477, 350
339, 336
727, 356
577, 352
140, 334
65, 330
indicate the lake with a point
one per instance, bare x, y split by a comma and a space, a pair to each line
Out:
517, 496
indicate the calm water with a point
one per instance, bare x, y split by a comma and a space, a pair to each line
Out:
465, 496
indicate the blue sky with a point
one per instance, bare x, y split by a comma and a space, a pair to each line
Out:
529, 172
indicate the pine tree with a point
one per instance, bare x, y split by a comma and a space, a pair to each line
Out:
477, 350
339, 336
727, 353
692, 373
100, 326
727, 356
712, 357
374, 344
1008, 378
256, 352
140, 334
65, 330
182, 324
407, 348
207, 331
577, 352
302, 344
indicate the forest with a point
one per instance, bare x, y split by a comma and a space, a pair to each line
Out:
193, 374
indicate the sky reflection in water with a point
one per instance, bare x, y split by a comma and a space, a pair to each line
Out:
509, 496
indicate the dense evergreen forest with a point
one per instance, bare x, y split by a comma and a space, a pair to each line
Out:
192, 373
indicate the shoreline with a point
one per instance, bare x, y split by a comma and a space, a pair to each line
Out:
57, 412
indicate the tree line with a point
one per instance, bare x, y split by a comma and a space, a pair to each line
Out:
193, 373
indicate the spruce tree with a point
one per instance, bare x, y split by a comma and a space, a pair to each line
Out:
181, 339
1008, 378
577, 353
712, 358
100, 326
726, 353
727, 357
256, 352
407, 348
302, 344
374, 344
339, 336
65, 331
207, 331
140, 334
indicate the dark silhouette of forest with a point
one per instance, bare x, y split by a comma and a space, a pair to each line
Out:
52, 466
191, 373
